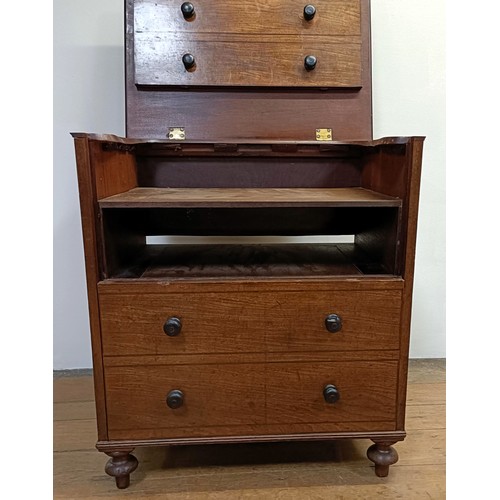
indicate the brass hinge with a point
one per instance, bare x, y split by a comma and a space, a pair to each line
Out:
323, 134
176, 133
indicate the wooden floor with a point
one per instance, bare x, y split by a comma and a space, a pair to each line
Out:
302, 471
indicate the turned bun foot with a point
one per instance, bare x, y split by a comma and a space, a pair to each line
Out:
382, 455
119, 466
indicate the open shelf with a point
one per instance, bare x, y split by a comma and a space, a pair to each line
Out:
143, 197
247, 261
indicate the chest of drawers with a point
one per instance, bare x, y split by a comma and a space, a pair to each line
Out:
293, 323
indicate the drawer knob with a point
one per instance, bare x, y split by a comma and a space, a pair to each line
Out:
333, 323
309, 12
188, 61
175, 399
187, 9
310, 62
331, 394
172, 327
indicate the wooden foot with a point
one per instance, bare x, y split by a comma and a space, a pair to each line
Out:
120, 465
382, 454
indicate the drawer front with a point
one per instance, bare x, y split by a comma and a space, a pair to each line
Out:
159, 61
332, 17
210, 323
213, 395
366, 392
249, 399
133, 324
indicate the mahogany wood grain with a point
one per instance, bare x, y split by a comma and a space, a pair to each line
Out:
244, 394
258, 17
90, 230
253, 260
410, 216
248, 62
249, 322
255, 433
260, 438
294, 392
227, 113
141, 197
231, 394
114, 171
260, 285
259, 146
259, 357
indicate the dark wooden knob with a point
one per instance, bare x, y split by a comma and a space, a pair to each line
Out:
172, 327
310, 62
175, 399
309, 12
333, 323
331, 394
188, 61
187, 9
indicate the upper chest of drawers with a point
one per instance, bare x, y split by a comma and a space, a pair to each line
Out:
248, 69
273, 43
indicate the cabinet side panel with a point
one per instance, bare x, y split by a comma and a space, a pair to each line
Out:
410, 215
115, 171
88, 208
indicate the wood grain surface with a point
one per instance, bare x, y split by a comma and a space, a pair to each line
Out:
259, 17
247, 108
249, 43
218, 397
132, 324
158, 61
144, 197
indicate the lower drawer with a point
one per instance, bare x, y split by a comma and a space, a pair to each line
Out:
249, 399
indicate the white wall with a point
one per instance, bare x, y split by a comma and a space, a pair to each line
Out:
408, 48
409, 99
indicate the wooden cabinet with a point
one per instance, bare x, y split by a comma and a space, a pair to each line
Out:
301, 334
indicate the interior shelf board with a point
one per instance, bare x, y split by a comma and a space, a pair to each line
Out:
149, 197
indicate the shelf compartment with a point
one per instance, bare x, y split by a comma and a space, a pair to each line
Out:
143, 197
248, 261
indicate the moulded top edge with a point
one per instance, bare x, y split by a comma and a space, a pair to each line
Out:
111, 138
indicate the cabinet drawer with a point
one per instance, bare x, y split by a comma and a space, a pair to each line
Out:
133, 324
366, 391
210, 323
249, 398
332, 17
213, 395
158, 61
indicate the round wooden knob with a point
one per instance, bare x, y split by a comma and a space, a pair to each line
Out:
310, 62
172, 327
175, 399
187, 9
331, 394
188, 61
333, 323
309, 12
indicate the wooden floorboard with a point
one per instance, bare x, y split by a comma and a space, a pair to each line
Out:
322, 470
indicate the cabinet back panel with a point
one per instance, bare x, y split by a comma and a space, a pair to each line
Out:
248, 172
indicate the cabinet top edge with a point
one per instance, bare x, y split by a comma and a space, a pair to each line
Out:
111, 138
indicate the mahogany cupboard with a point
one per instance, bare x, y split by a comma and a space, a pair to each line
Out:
248, 119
